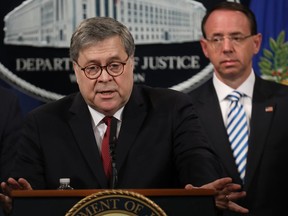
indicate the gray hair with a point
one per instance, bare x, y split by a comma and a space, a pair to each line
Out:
92, 30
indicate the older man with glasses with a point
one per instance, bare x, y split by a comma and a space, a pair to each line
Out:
154, 134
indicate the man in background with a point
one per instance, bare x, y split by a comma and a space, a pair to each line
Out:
252, 142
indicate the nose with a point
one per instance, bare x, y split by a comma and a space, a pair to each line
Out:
227, 45
105, 76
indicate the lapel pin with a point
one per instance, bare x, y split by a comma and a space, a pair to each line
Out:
269, 109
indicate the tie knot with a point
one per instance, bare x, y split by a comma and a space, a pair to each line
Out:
107, 120
235, 96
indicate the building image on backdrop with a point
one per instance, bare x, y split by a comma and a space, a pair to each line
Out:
50, 23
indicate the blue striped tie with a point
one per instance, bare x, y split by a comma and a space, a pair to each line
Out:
237, 130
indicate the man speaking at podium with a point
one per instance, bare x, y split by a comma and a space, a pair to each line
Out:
154, 134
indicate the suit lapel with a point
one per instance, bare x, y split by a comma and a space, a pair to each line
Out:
208, 108
80, 123
262, 114
133, 117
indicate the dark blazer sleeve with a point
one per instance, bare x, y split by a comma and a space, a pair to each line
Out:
57, 141
161, 127
10, 126
195, 160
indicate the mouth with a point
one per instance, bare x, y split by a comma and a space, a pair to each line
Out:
106, 92
229, 62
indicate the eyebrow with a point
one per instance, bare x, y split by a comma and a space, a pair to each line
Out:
230, 34
111, 59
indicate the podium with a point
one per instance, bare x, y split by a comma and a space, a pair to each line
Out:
174, 202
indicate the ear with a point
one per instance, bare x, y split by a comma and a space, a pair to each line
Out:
74, 66
204, 45
132, 62
76, 70
257, 40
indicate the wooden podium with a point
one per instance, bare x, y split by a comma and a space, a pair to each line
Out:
174, 202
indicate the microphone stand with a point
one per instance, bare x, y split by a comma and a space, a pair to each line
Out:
112, 145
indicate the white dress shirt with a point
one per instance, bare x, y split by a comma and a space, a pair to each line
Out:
223, 91
99, 127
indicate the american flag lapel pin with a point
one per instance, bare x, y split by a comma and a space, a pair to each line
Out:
269, 109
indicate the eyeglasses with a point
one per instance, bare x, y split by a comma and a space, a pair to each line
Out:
236, 40
93, 71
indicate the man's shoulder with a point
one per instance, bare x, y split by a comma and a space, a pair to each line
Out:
9, 99
272, 87
161, 91
205, 87
60, 105
6, 93
159, 95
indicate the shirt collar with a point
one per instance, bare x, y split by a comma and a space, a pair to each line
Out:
223, 90
97, 116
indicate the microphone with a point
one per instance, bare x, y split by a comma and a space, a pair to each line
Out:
112, 146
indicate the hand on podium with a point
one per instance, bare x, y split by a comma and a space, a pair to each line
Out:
7, 187
226, 193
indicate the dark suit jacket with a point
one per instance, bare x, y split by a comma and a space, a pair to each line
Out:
10, 126
266, 173
160, 144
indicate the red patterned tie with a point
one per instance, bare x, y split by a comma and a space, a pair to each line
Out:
106, 158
